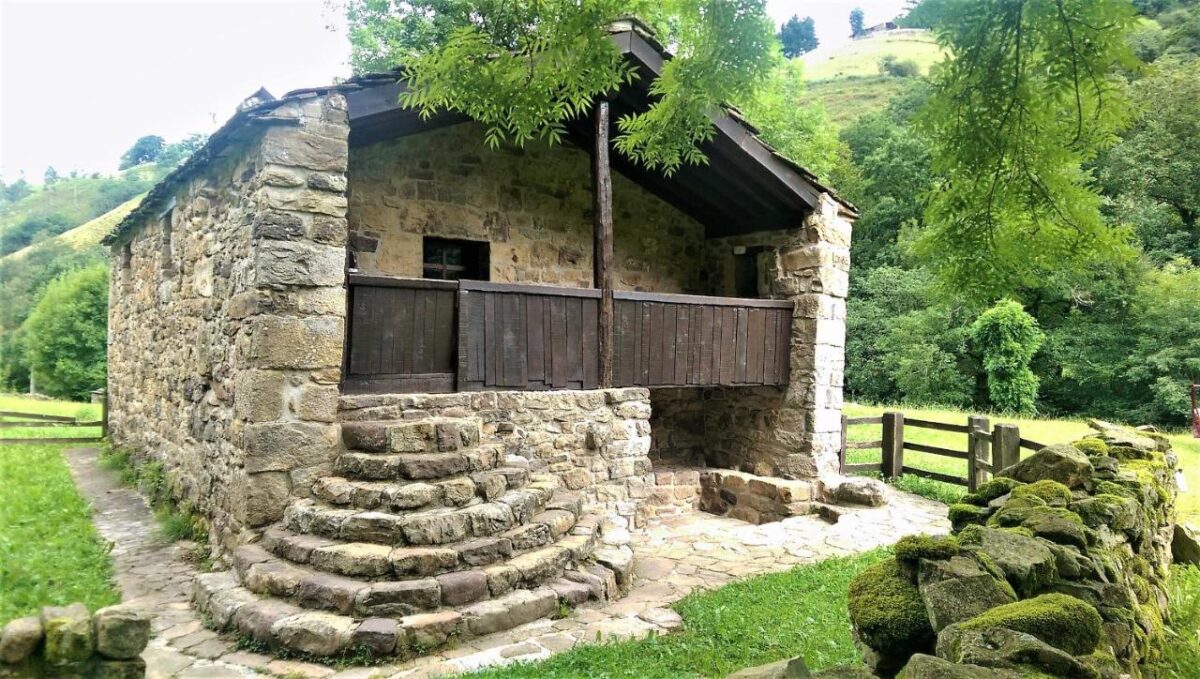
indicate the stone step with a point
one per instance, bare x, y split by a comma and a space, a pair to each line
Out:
279, 624
398, 496
436, 526
434, 435
418, 466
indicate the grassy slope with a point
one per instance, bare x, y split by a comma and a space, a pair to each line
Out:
1046, 431
861, 57
89, 233
50, 553
71, 198
846, 99
750, 622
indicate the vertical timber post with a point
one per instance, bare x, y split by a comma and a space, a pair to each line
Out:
1006, 446
602, 246
842, 448
893, 445
977, 451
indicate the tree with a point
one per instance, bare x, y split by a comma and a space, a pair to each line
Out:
523, 69
798, 36
1008, 337
923, 14
1024, 100
65, 336
174, 154
17, 190
856, 22
50, 176
145, 150
798, 128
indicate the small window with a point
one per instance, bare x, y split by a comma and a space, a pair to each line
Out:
168, 241
126, 255
452, 260
746, 272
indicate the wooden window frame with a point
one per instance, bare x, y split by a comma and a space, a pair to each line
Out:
475, 259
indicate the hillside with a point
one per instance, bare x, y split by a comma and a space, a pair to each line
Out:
846, 99
89, 233
861, 57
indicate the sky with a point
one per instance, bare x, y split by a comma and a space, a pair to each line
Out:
81, 80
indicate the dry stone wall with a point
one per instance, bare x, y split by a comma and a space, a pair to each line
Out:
226, 320
533, 204
68, 641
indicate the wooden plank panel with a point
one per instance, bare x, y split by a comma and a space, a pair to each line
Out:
360, 333
706, 338
534, 333
683, 344
444, 334
718, 318
783, 352
694, 372
558, 334
739, 364
644, 345
488, 347
548, 342
591, 344
655, 343
668, 342
575, 341
728, 344
512, 338
769, 335
754, 347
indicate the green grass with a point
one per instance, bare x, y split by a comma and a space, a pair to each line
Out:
861, 57
89, 233
846, 99
750, 622
1182, 652
83, 412
1043, 430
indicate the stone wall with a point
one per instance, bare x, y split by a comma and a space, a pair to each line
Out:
226, 320
533, 205
68, 641
597, 441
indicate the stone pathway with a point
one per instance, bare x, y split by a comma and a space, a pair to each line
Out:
674, 556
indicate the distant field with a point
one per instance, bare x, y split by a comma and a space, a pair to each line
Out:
846, 99
1042, 430
89, 233
861, 57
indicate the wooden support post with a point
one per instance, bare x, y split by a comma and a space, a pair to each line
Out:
104, 414
842, 448
1006, 446
977, 452
602, 247
893, 445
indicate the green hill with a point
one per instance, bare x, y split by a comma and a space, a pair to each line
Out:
89, 233
846, 99
861, 57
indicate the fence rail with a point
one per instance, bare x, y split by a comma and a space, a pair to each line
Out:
19, 420
989, 449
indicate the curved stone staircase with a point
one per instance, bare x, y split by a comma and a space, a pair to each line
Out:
425, 534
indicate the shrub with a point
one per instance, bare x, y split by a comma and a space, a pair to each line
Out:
1060, 620
1008, 337
897, 68
66, 335
887, 610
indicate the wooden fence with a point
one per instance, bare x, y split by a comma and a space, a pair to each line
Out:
17, 420
987, 451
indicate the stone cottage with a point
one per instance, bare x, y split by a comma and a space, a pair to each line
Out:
407, 378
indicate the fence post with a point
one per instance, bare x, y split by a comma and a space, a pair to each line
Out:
893, 445
977, 452
1006, 446
104, 414
842, 448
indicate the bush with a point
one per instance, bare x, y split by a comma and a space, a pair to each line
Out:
66, 336
890, 65
1008, 337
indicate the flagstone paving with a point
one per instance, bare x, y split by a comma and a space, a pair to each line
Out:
673, 556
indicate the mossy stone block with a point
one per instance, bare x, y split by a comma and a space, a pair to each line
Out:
1052, 493
887, 611
1063, 463
69, 636
1062, 621
963, 515
991, 490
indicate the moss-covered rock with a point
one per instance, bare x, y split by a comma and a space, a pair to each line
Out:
1116, 512
1051, 492
959, 588
888, 613
1063, 463
1062, 621
1091, 446
1016, 510
963, 515
911, 548
991, 490
1000, 649
1026, 562
932, 667
1057, 525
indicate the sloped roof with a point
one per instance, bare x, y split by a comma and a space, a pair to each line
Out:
747, 185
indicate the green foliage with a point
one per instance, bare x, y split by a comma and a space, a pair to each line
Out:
16, 190
174, 154
1181, 653
798, 36
1023, 101
65, 336
907, 68
145, 150
796, 127
1166, 358
32, 229
1007, 337
887, 610
525, 69
176, 520
924, 14
856, 22
50, 554
749, 622
912, 548
1060, 620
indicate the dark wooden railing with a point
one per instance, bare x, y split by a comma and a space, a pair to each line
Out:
416, 335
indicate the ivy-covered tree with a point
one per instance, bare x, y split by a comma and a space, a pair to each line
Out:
1007, 337
65, 336
798, 36
525, 68
1028, 94
856, 22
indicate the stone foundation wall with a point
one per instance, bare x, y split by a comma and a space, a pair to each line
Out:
68, 641
596, 441
533, 205
226, 319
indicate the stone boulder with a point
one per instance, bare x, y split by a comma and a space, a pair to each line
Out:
1062, 621
999, 648
1185, 545
1027, 563
783, 669
931, 667
19, 639
959, 588
888, 616
854, 490
122, 632
1063, 463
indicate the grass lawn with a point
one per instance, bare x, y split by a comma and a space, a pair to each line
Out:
861, 57
1042, 430
50, 553
846, 99
749, 622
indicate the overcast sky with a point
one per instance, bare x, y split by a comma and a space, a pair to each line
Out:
81, 80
